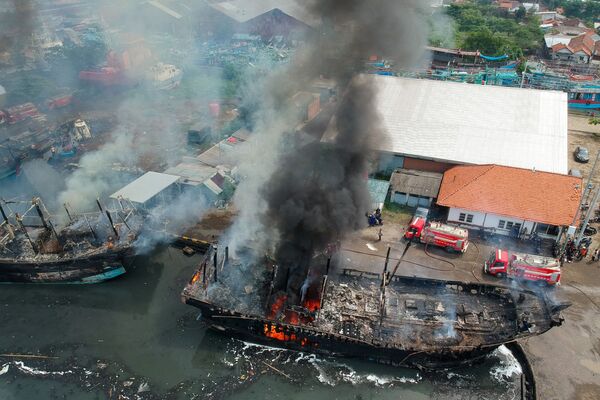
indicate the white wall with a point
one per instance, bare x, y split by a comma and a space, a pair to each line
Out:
488, 220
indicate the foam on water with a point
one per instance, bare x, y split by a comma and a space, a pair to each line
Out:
4, 369
328, 372
38, 372
508, 367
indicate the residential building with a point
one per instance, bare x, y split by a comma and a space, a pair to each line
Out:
206, 182
579, 49
569, 40
510, 201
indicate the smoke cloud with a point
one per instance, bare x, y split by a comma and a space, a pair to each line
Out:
302, 196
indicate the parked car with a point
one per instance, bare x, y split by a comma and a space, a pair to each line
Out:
581, 154
575, 172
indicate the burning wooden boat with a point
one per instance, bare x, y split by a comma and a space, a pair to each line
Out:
90, 248
383, 317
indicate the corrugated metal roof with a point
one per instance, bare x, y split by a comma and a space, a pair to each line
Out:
166, 9
192, 171
472, 124
145, 187
416, 182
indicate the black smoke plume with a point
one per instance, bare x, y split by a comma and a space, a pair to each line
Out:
318, 192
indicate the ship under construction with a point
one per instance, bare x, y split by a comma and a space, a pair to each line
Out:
379, 316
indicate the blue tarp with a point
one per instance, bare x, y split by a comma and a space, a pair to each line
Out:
489, 58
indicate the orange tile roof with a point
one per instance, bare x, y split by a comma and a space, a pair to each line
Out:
582, 43
513, 192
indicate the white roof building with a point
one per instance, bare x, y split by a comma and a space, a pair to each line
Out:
465, 123
146, 187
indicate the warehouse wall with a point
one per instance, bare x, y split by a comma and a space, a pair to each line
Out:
426, 165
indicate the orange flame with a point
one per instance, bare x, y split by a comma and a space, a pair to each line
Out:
291, 317
195, 277
276, 307
272, 333
312, 304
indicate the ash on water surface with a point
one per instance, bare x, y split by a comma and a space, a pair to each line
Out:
134, 334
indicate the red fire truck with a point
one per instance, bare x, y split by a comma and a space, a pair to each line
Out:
451, 238
523, 266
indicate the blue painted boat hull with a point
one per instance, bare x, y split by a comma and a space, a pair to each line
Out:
78, 270
584, 106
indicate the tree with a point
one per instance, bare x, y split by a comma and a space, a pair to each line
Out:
489, 29
520, 13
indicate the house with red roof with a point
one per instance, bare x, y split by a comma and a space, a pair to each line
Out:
510, 201
579, 49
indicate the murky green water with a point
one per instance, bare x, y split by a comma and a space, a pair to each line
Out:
132, 337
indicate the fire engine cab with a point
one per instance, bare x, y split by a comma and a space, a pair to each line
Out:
451, 238
523, 266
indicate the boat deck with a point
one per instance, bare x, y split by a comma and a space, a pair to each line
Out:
411, 313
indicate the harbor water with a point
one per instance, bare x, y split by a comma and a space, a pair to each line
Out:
132, 338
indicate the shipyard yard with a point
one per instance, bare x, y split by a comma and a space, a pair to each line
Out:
257, 199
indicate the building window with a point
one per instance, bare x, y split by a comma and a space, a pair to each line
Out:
509, 225
551, 230
501, 224
463, 217
517, 227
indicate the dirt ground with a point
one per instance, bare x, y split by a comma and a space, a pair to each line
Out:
581, 133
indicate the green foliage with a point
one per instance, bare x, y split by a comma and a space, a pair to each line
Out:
484, 27
594, 121
587, 10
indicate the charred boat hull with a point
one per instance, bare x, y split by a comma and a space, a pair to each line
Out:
95, 269
406, 321
306, 339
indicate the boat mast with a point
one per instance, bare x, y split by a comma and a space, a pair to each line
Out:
4, 216
46, 222
24, 229
68, 213
110, 220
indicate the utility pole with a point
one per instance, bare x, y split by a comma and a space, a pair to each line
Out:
587, 188
587, 216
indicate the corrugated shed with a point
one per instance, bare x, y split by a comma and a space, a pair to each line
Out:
416, 182
145, 187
